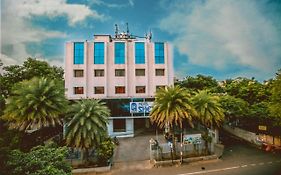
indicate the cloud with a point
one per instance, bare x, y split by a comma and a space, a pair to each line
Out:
53, 8
7, 60
111, 5
131, 2
18, 30
225, 34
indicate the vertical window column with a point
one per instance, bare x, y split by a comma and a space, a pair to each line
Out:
98, 53
119, 51
139, 53
78, 53
159, 53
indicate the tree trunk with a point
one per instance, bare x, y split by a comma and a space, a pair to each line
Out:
86, 156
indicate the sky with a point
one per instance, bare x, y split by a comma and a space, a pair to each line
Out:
220, 38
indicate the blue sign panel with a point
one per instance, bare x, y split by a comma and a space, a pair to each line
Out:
140, 107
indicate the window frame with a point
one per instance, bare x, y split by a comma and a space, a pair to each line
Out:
120, 92
76, 74
120, 72
98, 52
139, 75
76, 90
139, 53
159, 86
78, 53
96, 87
156, 74
140, 89
119, 53
95, 72
159, 53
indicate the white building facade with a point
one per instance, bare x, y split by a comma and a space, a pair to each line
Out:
118, 70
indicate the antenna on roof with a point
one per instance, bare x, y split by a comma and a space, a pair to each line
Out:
116, 30
127, 28
149, 35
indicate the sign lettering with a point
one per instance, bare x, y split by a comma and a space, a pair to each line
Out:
140, 107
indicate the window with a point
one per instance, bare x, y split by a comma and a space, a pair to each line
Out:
79, 53
119, 72
160, 87
99, 73
119, 125
78, 73
139, 53
140, 72
140, 89
159, 53
119, 51
159, 72
99, 90
99, 53
119, 89
78, 90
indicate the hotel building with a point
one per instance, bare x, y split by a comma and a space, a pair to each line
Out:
124, 71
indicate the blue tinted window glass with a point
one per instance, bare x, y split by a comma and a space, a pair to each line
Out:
98, 53
119, 50
139, 53
159, 53
78, 53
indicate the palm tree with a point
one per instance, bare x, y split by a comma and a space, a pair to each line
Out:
172, 107
87, 124
209, 111
35, 103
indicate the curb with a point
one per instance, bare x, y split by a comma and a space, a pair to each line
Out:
186, 160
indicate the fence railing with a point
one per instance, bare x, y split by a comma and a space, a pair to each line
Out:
164, 151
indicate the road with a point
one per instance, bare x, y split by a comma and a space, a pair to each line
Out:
239, 158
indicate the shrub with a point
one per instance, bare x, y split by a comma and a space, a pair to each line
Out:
40, 160
105, 151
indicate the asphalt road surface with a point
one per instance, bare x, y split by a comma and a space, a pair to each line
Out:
239, 158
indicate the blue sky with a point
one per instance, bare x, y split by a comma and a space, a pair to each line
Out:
221, 38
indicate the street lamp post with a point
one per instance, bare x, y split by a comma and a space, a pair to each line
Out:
171, 150
181, 148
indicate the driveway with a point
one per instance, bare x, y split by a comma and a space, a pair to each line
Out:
133, 149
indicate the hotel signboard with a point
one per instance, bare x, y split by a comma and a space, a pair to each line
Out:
140, 107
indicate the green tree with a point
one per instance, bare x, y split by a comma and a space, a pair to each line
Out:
40, 160
234, 108
35, 103
209, 112
31, 68
9, 140
249, 90
208, 108
275, 100
200, 82
86, 124
172, 107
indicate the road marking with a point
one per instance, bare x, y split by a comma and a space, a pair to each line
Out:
211, 171
225, 169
